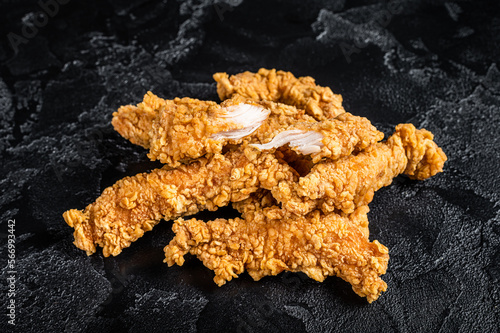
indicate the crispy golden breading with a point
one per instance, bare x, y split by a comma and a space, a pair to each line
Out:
136, 204
425, 158
176, 129
340, 136
283, 87
184, 129
268, 241
351, 181
135, 122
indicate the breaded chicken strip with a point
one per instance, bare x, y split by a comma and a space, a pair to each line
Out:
136, 204
262, 199
268, 241
283, 87
186, 129
351, 181
191, 117
331, 138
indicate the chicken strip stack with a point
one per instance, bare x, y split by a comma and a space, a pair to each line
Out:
283, 87
283, 151
268, 241
115, 220
135, 204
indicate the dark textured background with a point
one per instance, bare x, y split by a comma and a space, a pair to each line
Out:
431, 63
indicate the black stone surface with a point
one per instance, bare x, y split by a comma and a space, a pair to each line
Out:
431, 63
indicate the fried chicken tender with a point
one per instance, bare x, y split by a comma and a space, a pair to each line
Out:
268, 241
351, 181
185, 129
134, 205
331, 138
135, 123
283, 87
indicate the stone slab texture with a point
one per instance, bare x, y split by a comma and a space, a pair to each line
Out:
65, 66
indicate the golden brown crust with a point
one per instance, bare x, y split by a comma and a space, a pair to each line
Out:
351, 181
268, 241
284, 87
175, 129
136, 204
181, 129
425, 158
134, 123
342, 135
